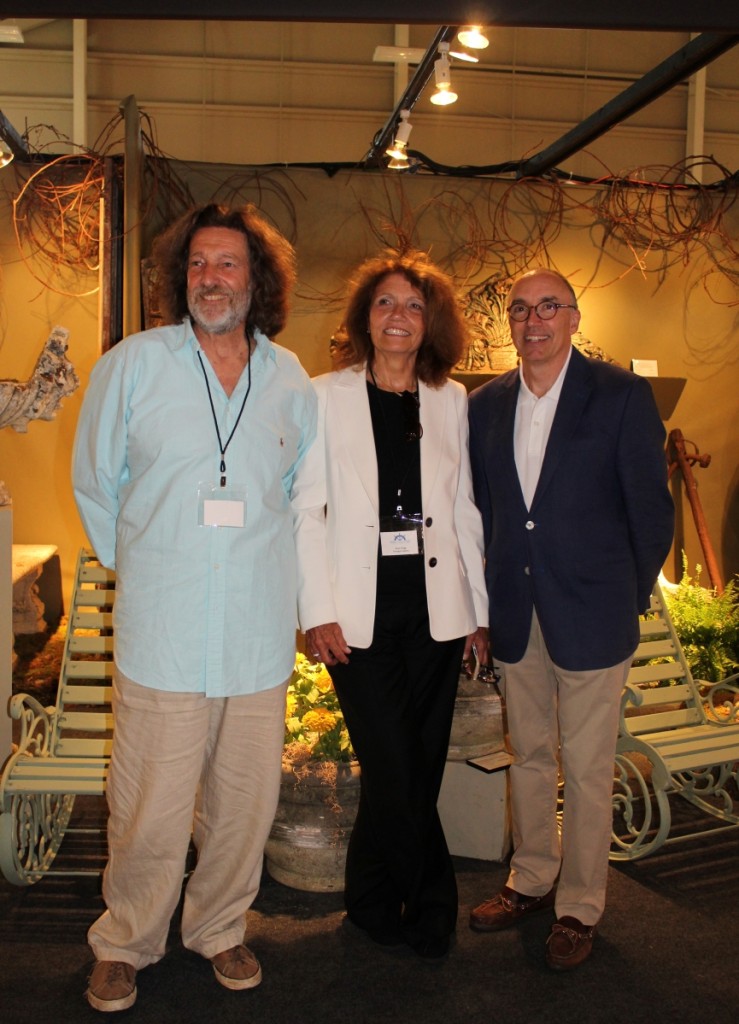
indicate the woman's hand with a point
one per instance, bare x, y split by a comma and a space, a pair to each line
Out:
326, 643
479, 643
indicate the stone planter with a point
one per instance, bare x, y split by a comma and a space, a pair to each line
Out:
307, 845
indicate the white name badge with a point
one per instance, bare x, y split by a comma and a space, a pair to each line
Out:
399, 542
221, 506
401, 535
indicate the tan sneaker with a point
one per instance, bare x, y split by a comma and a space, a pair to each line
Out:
111, 986
237, 968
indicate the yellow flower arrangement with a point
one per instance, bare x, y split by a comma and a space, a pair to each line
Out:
313, 718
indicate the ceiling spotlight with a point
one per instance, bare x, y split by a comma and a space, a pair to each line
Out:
463, 55
399, 163
472, 36
443, 95
397, 151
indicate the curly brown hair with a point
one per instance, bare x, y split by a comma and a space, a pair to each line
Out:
271, 264
445, 333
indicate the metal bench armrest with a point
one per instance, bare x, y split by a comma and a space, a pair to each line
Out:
722, 709
36, 721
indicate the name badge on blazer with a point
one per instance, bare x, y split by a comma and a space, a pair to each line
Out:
401, 534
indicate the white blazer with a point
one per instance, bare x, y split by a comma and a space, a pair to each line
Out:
335, 496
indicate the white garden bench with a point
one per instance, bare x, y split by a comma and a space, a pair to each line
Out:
676, 736
64, 750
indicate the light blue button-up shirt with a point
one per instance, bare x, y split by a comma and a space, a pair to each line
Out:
198, 608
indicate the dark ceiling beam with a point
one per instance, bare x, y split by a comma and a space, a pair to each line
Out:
681, 65
645, 15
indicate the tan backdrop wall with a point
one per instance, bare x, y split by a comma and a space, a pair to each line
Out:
672, 317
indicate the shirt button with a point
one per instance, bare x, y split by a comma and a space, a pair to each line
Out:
429, 521
530, 525
527, 570
432, 562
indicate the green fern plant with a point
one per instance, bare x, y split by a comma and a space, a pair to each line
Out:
707, 625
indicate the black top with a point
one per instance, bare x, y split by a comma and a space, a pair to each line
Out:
398, 469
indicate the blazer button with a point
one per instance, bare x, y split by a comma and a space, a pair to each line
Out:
432, 562
429, 521
530, 525
527, 570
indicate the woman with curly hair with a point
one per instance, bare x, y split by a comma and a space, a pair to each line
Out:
391, 588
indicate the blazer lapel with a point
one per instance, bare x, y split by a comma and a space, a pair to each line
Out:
355, 424
434, 408
501, 418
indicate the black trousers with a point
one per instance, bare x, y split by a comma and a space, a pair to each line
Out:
397, 697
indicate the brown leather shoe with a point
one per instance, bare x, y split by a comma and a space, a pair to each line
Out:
237, 968
111, 986
506, 908
569, 943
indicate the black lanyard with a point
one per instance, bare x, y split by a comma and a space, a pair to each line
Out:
221, 446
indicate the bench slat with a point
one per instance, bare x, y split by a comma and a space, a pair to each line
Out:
95, 598
96, 573
655, 673
662, 648
91, 644
91, 620
73, 746
86, 721
653, 627
73, 694
89, 670
644, 725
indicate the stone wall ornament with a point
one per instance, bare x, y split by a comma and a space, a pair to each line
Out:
39, 397
491, 348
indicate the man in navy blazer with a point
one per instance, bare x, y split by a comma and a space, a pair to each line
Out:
571, 478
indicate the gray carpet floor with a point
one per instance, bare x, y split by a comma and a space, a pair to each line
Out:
666, 952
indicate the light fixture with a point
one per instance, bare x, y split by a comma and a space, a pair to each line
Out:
472, 36
443, 95
6, 154
397, 151
463, 55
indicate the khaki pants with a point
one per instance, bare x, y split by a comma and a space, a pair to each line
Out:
184, 764
568, 721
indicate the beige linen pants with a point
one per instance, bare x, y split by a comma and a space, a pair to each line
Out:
184, 764
562, 721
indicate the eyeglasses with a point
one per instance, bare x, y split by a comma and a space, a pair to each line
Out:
412, 414
544, 310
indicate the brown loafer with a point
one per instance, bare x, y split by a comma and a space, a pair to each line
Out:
569, 943
506, 908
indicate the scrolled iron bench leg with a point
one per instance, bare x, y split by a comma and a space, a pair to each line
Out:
31, 831
641, 807
31, 824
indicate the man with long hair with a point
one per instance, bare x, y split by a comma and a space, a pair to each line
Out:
186, 447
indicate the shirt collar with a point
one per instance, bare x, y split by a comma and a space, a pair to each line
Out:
555, 390
264, 349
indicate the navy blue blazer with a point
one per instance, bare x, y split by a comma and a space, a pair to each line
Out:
587, 553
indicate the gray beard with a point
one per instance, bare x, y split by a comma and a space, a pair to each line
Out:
225, 322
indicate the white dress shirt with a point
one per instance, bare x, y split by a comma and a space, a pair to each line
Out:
532, 426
